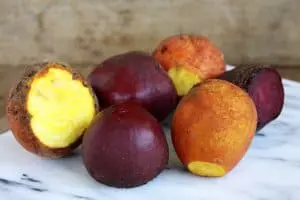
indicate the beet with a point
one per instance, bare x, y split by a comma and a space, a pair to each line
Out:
125, 146
264, 86
134, 76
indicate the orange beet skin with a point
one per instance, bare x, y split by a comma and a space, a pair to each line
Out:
213, 127
196, 54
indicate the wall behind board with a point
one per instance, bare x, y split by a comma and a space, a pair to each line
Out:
85, 32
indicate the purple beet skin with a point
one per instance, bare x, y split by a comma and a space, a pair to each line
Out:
124, 146
134, 76
264, 86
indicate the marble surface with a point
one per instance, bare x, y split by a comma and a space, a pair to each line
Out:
269, 171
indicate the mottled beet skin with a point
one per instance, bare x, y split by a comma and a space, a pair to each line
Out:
134, 76
125, 146
264, 86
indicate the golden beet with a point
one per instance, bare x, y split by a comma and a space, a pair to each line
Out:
213, 127
189, 59
49, 109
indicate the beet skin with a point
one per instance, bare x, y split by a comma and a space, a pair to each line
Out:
264, 85
125, 146
134, 76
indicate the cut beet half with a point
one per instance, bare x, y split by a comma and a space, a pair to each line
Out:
264, 86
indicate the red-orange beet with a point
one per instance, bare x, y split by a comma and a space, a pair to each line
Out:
124, 146
134, 76
264, 86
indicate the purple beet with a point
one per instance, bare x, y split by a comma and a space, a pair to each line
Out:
264, 86
134, 76
125, 146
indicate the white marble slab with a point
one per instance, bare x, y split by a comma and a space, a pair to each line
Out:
269, 171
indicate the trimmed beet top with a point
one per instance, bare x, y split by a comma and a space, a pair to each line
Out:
264, 85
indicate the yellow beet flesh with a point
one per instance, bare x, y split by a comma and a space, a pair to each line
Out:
206, 169
183, 79
61, 108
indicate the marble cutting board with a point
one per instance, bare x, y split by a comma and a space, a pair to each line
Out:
269, 171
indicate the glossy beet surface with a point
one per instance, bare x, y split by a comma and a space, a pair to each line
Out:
134, 76
264, 85
125, 146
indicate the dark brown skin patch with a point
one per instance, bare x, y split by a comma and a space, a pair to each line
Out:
164, 49
242, 76
19, 118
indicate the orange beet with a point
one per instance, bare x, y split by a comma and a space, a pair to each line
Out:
213, 127
189, 59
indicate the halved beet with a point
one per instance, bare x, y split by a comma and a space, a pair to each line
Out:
264, 85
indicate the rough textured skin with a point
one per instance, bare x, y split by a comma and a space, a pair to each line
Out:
19, 118
134, 76
125, 146
214, 123
242, 76
196, 53
249, 79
